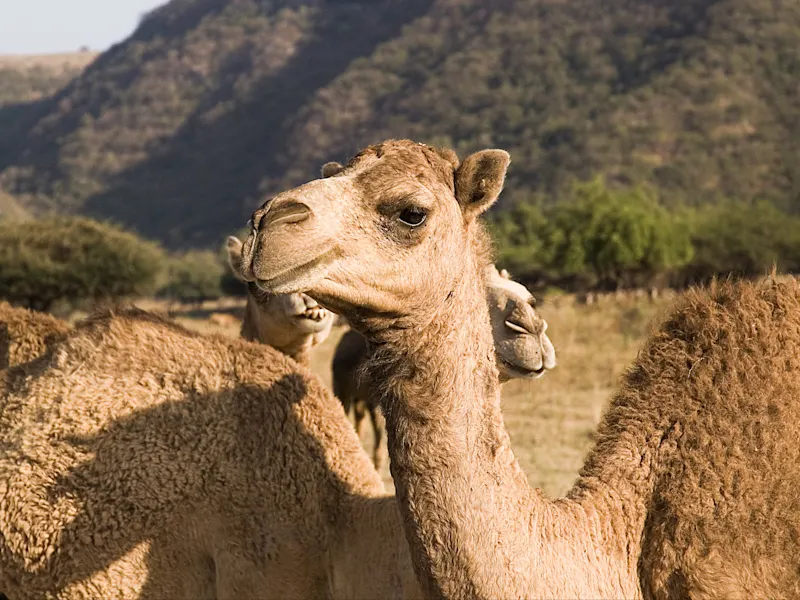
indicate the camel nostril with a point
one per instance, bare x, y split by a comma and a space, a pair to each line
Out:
295, 212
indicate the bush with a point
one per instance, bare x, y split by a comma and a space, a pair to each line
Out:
72, 259
595, 235
618, 237
743, 238
520, 234
194, 276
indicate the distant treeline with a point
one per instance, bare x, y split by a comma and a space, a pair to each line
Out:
598, 237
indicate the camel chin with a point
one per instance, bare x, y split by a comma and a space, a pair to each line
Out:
510, 370
311, 323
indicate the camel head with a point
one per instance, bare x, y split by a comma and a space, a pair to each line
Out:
522, 348
280, 319
389, 234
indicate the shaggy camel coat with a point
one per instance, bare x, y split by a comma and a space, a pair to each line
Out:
205, 468
26, 334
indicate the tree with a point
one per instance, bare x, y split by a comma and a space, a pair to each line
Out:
194, 276
619, 237
596, 235
742, 238
43, 261
520, 234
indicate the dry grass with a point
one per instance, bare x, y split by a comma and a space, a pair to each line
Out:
551, 420
68, 60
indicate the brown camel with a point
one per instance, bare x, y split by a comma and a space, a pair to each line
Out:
292, 323
522, 351
26, 334
691, 490
138, 459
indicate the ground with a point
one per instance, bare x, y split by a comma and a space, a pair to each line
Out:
552, 419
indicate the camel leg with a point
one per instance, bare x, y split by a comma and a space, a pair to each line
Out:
347, 403
359, 413
378, 427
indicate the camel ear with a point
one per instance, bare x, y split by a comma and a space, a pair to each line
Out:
330, 169
479, 180
505, 274
234, 246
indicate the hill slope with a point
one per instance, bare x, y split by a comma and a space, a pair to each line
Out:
25, 78
179, 130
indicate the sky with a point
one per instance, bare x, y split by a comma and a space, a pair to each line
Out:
52, 26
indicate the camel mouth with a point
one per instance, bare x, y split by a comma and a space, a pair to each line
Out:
316, 314
299, 278
522, 371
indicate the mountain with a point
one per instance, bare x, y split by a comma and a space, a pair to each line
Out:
26, 78
180, 130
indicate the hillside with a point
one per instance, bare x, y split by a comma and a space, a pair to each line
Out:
24, 78
210, 104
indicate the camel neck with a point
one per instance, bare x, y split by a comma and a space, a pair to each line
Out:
456, 477
475, 527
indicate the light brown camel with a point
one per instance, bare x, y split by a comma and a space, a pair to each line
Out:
26, 334
522, 351
292, 323
138, 459
691, 490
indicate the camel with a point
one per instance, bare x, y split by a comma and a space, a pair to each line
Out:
143, 460
292, 323
691, 488
522, 351
26, 334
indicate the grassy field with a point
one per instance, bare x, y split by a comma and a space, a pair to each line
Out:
551, 420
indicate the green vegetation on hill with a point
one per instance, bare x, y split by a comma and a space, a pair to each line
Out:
179, 131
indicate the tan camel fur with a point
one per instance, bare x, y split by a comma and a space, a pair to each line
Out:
691, 490
140, 460
292, 323
26, 334
522, 351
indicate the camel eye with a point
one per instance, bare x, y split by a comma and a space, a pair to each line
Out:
516, 327
413, 217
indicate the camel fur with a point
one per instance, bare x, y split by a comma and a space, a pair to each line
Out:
26, 334
141, 460
691, 488
292, 323
523, 351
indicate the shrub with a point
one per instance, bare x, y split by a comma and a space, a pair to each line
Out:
619, 237
520, 234
194, 276
595, 235
72, 259
742, 238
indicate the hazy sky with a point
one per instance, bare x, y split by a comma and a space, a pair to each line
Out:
43, 26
